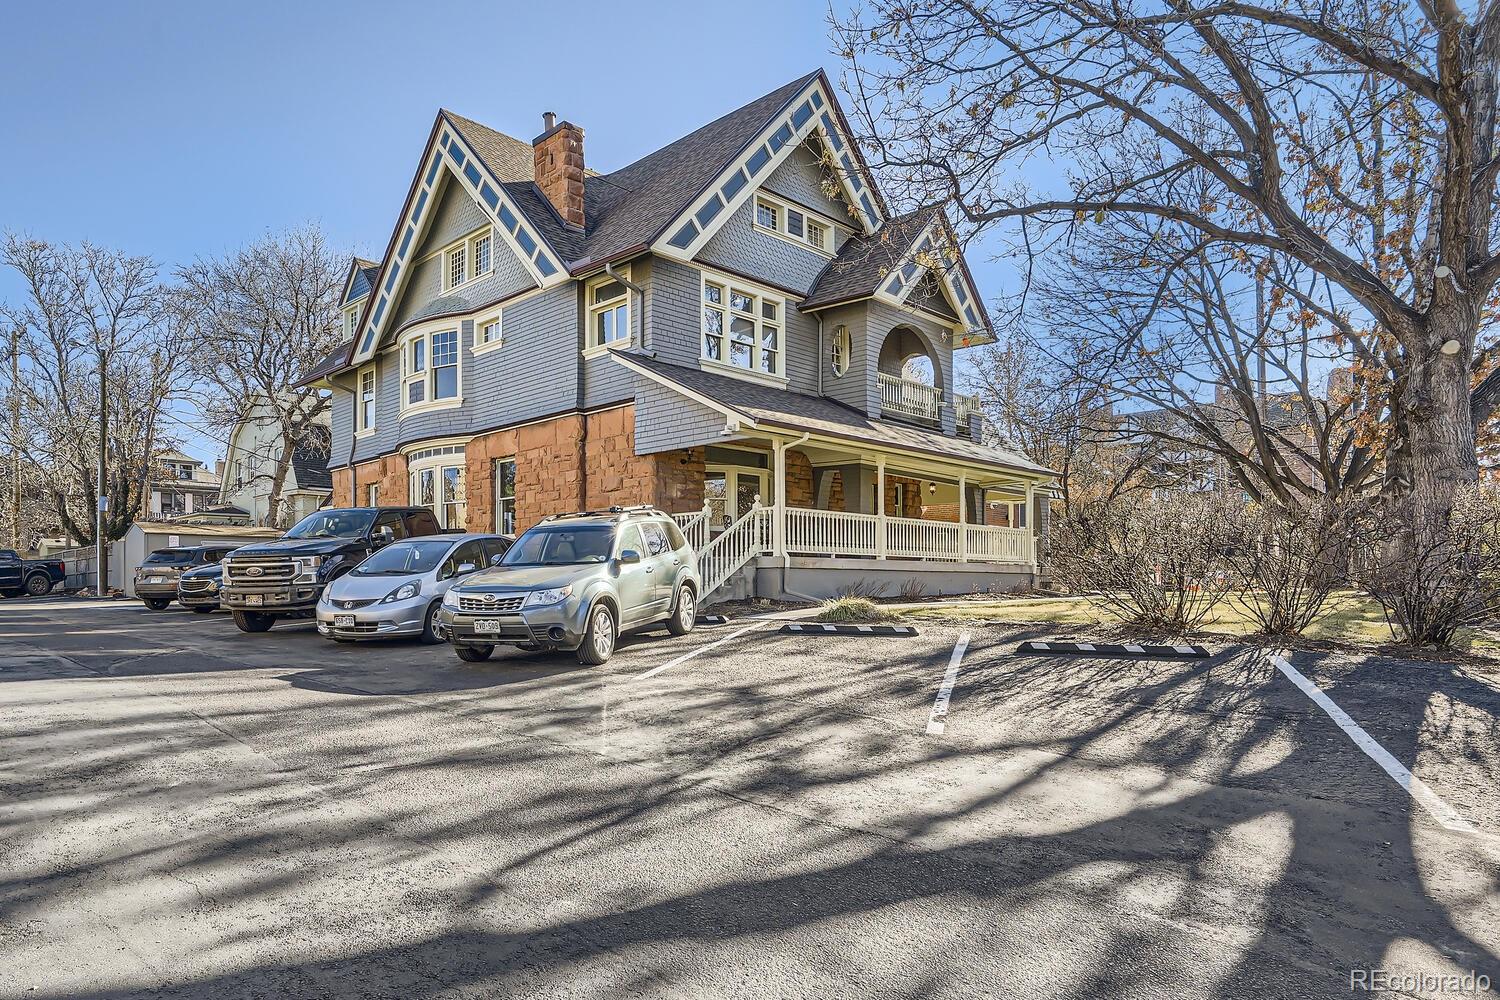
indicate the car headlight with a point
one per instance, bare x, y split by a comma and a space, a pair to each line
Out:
213, 584
307, 567
450, 599
539, 598
404, 592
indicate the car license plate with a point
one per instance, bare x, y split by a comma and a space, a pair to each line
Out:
343, 621
486, 625
155, 579
253, 600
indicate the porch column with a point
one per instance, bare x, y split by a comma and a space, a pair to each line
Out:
778, 493
1031, 522
880, 542
963, 517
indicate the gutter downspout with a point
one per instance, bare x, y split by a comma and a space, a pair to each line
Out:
786, 557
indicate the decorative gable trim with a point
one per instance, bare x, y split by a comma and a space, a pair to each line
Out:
811, 110
448, 153
896, 287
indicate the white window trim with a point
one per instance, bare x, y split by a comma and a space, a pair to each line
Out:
467, 244
782, 206
591, 349
844, 351
361, 430
482, 347
426, 331
753, 373
351, 319
436, 463
495, 490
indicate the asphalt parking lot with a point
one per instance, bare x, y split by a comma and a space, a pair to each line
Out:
186, 811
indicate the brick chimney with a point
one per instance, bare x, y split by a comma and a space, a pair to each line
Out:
557, 159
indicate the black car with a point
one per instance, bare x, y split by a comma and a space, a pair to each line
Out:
28, 576
198, 589
156, 579
284, 578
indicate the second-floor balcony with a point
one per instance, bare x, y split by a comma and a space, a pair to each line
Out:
965, 407
906, 399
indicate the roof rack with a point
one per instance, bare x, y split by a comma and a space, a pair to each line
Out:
636, 510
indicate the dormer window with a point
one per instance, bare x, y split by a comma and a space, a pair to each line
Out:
351, 321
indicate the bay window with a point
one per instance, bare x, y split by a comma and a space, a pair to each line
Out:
742, 326
429, 368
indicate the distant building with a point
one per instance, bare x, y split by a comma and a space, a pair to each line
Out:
255, 448
180, 485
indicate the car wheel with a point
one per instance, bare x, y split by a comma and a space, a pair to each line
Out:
37, 585
204, 610
685, 615
157, 603
599, 639
474, 654
253, 621
429, 625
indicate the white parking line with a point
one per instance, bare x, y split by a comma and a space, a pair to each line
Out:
1441, 811
935, 723
692, 653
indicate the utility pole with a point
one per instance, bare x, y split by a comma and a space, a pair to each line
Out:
15, 437
101, 549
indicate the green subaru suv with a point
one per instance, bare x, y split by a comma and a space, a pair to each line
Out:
577, 582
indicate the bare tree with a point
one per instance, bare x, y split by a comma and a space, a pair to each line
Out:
261, 317
1352, 139
100, 360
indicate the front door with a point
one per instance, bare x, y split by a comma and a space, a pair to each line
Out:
731, 491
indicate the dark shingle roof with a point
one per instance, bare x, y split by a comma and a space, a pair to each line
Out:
310, 461
864, 261
332, 362
783, 408
630, 207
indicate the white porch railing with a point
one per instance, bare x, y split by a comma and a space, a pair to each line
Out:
835, 533
964, 407
909, 399
728, 551
695, 525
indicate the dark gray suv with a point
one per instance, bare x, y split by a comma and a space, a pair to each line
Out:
576, 582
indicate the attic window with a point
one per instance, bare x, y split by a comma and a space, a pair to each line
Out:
795, 225
469, 258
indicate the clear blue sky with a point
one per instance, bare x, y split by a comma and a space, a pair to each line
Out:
180, 129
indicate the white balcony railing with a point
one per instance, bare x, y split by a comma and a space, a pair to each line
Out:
965, 407
905, 398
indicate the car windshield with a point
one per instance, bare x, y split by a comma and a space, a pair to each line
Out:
170, 557
404, 559
333, 524
556, 545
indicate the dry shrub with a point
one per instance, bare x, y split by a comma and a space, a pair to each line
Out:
1290, 561
1432, 583
852, 609
1156, 563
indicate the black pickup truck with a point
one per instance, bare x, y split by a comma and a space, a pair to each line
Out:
28, 576
284, 578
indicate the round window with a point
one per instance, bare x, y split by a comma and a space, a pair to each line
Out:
839, 350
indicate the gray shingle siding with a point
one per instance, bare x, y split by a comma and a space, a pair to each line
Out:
457, 215
742, 248
672, 311
665, 420
800, 179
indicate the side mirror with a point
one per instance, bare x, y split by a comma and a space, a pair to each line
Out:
496, 560
465, 568
383, 535
629, 556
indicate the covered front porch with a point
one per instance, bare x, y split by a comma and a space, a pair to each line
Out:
813, 517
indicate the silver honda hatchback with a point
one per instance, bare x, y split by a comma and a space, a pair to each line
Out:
398, 589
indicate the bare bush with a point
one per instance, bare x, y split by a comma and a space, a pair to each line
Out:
1289, 562
1155, 563
1447, 584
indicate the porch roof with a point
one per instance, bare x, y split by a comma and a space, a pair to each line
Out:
767, 406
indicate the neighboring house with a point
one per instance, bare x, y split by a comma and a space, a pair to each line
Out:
256, 446
721, 328
180, 485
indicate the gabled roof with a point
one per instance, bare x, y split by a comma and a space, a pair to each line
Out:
310, 460
764, 405
359, 279
887, 264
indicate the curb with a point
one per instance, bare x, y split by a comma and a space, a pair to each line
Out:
1130, 649
797, 628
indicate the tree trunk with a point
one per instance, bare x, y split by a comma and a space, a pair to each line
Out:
278, 479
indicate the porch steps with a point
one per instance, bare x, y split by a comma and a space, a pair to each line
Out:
727, 553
